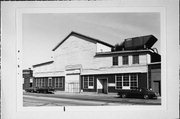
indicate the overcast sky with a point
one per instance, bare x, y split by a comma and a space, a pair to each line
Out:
42, 32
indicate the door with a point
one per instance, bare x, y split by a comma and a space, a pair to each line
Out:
105, 87
157, 86
102, 85
72, 83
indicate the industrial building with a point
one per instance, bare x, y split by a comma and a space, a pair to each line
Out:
84, 64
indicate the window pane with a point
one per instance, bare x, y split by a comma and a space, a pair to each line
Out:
56, 80
91, 78
118, 81
125, 60
133, 81
126, 78
91, 81
133, 77
135, 59
115, 60
61, 82
85, 78
119, 84
119, 78
85, 84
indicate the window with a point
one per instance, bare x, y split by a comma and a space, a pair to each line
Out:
59, 82
56, 82
119, 82
125, 60
126, 81
43, 82
134, 81
50, 82
135, 59
91, 81
115, 60
38, 83
85, 81
88, 82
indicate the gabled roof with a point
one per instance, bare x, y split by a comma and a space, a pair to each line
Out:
83, 36
44, 63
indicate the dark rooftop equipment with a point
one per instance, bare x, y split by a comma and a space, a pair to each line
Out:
137, 43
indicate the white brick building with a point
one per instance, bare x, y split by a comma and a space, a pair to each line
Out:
84, 64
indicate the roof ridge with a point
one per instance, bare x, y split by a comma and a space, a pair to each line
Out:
73, 32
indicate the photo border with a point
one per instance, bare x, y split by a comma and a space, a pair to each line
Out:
22, 111
159, 10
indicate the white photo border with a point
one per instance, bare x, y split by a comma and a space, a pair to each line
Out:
21, 112
160, 10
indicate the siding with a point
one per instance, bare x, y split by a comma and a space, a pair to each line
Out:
44, 68
77, 51
103, 48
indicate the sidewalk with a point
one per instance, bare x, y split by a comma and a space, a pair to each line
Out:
86, 94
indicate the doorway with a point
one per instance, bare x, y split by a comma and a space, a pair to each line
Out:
157, 87
102, 85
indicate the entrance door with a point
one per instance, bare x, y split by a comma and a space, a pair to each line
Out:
157, 86
72, 83
102, 86
105, 87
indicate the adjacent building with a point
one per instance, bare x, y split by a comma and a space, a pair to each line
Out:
84, 64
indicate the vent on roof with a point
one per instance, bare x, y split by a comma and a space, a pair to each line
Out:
137, 43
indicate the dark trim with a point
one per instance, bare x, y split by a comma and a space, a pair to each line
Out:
99, 54
73, 74
44, 63
83, 36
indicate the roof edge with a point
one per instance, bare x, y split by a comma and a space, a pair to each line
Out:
73, 32
40, 64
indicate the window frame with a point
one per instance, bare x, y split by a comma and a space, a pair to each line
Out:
116, 81
135, 61
129, 81
88, 82
50, 82
134, 87
115, 60
58, 82
124, 60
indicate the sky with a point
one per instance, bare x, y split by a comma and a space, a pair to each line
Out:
42, 32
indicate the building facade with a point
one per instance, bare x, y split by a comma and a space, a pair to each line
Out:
28, 79
84, 64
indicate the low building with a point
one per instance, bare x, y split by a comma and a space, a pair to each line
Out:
27, 78
84, 64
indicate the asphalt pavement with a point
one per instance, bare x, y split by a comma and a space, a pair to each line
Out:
83, 99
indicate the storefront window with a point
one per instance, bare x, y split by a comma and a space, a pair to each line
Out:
119, 82
88, 82
126, 81
58, 82
50, 82
134, 82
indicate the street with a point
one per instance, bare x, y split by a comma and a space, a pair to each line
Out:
34, 99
